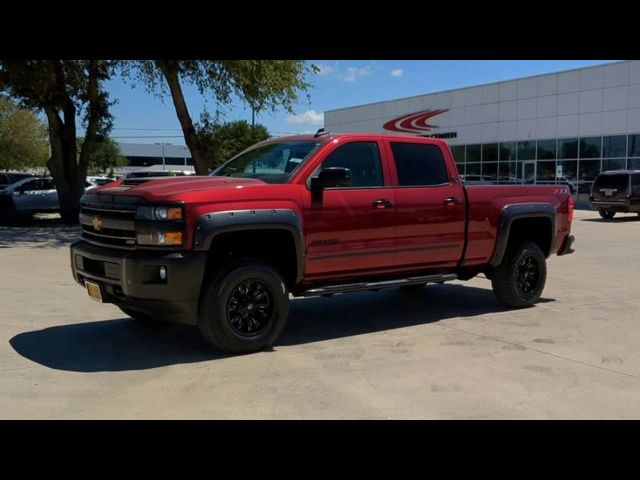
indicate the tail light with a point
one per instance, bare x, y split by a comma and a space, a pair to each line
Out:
570, 205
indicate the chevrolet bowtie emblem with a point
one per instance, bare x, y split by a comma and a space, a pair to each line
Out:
97, 223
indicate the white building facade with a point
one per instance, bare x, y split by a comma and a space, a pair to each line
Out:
565, 126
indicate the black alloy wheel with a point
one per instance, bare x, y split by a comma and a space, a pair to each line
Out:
250, 308
528, 274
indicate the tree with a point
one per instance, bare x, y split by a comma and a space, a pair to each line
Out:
105, 157
221, 141
264, 84
61, 89
23, 138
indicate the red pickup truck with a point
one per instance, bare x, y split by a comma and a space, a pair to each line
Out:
310, 215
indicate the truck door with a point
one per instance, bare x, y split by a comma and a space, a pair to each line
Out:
350, 229
430, 205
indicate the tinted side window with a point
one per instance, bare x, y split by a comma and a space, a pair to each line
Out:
47, 184
419, 164
362, 158
30, 185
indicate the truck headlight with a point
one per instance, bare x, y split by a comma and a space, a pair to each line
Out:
159, 238
159, 213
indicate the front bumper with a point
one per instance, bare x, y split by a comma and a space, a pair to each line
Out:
130, 279
565, 248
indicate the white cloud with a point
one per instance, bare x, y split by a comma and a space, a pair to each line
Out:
397, 72
325, 69
353, 73
310, 117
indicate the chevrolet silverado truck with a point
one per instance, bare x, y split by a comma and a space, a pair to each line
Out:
310, 215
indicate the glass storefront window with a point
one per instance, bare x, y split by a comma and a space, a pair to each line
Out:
634, 146
527, 150
588, 172
508, 172
473, 153
490, 170
507, 151
568, 148
634, 164
614, 146
546, 172
613, 164
547, 149
472, 169
490, 152
569, 169
458, 153
590, 147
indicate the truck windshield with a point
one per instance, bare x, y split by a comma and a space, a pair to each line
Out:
273, 162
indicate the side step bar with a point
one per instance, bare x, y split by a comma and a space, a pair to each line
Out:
355, 287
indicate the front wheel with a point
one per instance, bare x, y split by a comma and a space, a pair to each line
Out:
244, 308
519, 280
607, 214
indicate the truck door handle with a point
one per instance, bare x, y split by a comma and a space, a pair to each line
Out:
382, 203
452, 201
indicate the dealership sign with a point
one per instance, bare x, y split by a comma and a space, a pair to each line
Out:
418, 123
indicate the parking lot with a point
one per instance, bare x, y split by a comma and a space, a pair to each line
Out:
450, 351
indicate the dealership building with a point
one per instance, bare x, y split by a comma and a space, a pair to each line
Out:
560, 127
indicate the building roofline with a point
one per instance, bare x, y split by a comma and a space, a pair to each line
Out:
479, 85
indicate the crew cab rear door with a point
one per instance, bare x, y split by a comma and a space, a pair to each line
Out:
430, 204
350, 230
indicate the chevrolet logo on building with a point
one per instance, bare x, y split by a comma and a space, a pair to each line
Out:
97, 223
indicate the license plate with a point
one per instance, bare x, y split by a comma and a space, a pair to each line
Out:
93, 289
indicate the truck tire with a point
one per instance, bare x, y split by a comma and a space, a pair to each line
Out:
244, 308
519, 280
140, 317
607, 214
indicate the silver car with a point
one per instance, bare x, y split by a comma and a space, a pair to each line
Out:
27, 196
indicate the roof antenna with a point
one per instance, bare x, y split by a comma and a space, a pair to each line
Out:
320, 132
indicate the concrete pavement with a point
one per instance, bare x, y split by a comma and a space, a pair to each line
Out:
448, 352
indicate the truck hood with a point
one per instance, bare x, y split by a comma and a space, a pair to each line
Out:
158, 188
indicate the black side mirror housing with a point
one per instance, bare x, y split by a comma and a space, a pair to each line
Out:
332, 177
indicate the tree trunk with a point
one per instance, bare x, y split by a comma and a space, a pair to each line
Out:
62, 165
169, 69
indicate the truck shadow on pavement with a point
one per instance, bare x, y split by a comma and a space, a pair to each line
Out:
616, 219
124, 345
41, 233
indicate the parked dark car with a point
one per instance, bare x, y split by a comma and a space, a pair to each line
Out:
616, 191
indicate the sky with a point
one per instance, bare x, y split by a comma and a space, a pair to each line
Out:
140, 117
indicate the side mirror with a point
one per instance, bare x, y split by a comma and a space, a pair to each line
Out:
332, 177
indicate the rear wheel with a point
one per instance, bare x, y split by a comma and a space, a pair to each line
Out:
519, 280
607, 214
244, 308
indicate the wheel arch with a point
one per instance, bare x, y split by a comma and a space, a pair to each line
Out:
537, 220
251, 233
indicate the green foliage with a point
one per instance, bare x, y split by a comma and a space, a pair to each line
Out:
23, 138
221, 141
62, 90
105, 157
264, 84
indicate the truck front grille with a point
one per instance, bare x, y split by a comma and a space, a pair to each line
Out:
108, 225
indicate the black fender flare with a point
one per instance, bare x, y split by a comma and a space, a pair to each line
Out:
517, 211
210, 225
